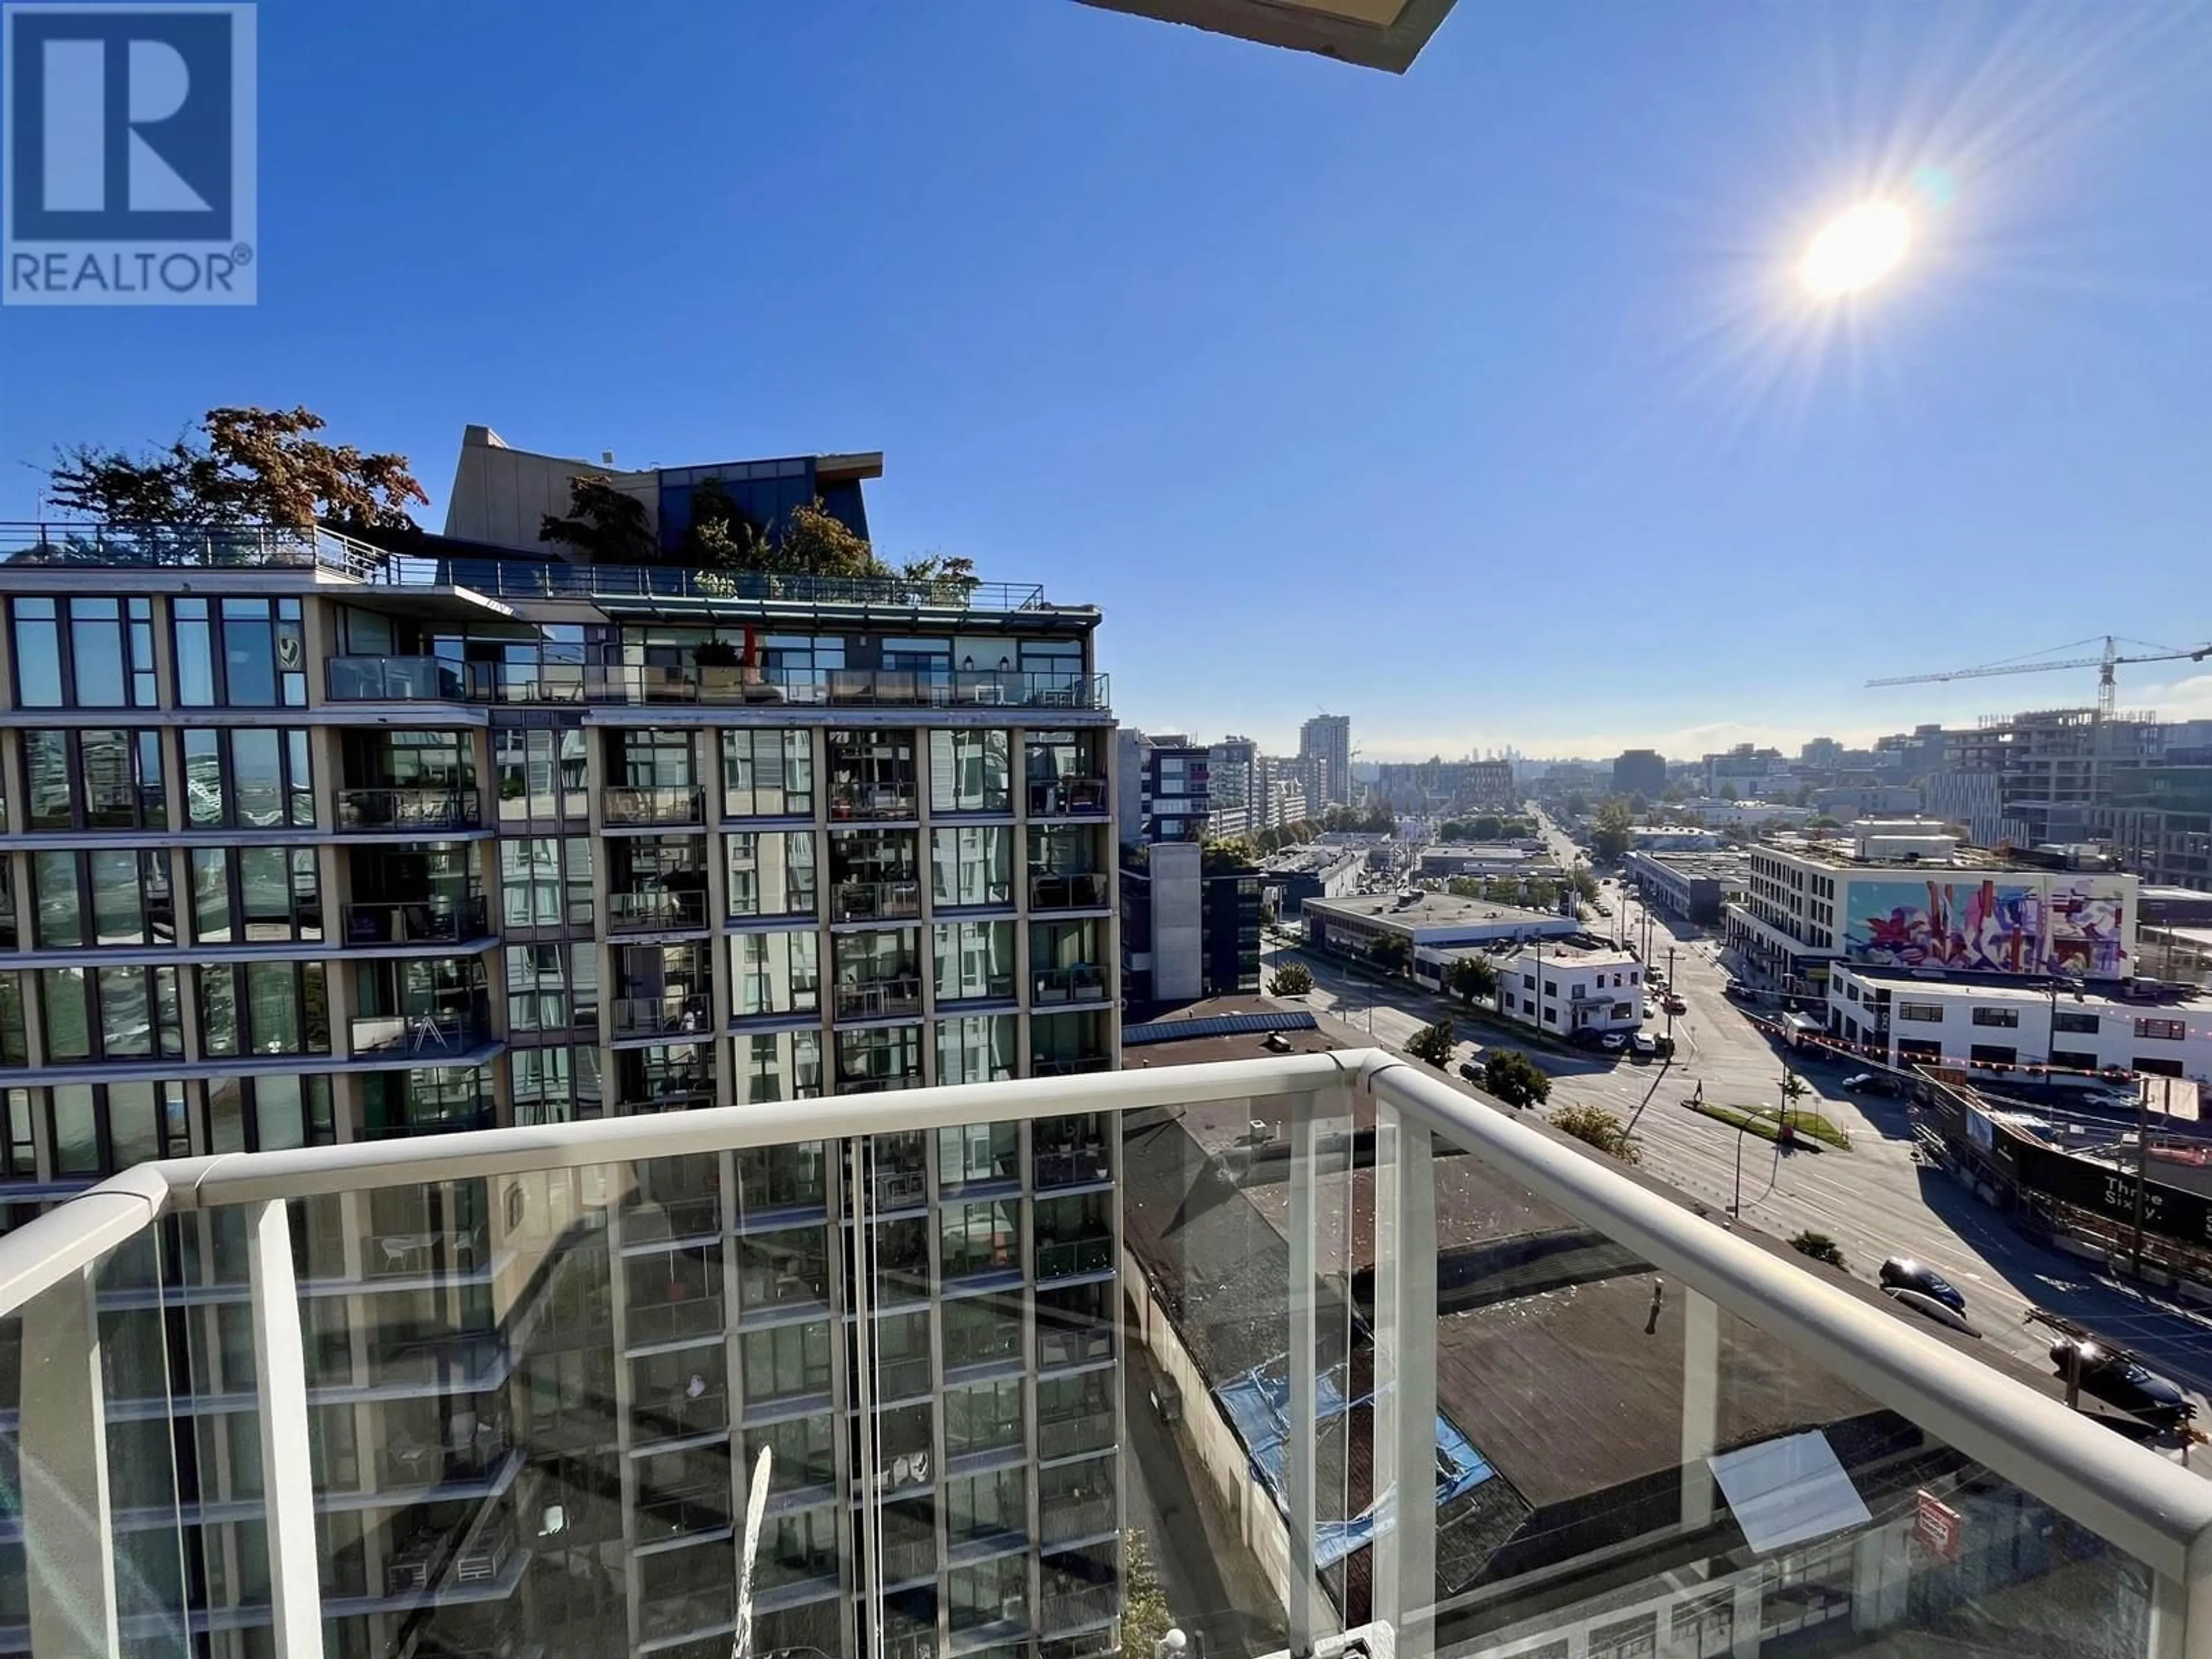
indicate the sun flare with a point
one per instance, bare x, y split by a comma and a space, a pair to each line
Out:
1857, 249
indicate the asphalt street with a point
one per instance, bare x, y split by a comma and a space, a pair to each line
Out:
1875, 1201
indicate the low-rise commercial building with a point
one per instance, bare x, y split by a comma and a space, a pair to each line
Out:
1693, 886
1566, 987
1427, 920
1994, 1025
1487, 858
1899, 895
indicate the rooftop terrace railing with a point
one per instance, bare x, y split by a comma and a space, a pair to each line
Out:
246, 547
1837, 1464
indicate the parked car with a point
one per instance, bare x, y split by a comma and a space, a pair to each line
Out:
1869, 1083
1470, 1071
1673, 1005
2118, 1380
1902, 1272
1643, 1046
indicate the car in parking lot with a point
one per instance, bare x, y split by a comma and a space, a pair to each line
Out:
1643, 1046
1673, 1005
1470, 1071
1903, 1273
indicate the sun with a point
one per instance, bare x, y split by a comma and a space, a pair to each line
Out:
1857, 249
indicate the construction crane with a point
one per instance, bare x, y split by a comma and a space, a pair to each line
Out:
2109, 659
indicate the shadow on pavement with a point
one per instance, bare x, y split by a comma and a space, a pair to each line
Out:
2168, 1341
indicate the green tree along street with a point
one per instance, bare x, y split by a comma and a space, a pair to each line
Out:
1433, 1043
1390, 953
1609, 835
1145, 1618
1293, 979
1472, 978
1514, 1078
1596, 1127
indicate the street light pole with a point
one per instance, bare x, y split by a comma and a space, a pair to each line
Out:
1669, 1003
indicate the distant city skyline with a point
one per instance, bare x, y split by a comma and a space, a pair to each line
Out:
2178, 699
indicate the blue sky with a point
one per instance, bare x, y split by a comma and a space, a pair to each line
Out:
1478, 405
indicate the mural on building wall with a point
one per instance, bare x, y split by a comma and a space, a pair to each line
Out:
2077, 926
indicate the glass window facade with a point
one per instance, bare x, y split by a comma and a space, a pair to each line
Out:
768, 774
779, 1066
256, 895
970, 772
977, 1049
971, 867
264, 1008
774, 972
771, 873
84, 652
974, 961
239, 654
247, 778
104, 897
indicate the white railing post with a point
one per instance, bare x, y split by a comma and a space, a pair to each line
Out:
287, 1479
68, 1539
1405, 1454
1701, 1405
1300, 1587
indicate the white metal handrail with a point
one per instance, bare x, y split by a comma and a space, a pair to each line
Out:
2156, 1512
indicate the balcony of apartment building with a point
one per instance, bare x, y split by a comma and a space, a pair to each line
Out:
874, 772
420, 1011
427, 671
1787, 1464
424, 1099
656, 884
973, 963
877, 975
1067, 963
674, 1077
1068, 868
1073, 1235
662, 991
432, 1230
1065, 772
652, 779
1067, 1044
878, 1058
419, 783
428, 897
875, 875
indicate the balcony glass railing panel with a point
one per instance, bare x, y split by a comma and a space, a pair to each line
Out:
430, 920
409, 810
1768, 1471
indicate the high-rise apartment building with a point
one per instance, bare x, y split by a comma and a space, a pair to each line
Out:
1163, 789
1325, 757
308, 843
1233, 767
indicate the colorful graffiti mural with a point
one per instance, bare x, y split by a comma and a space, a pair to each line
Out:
2071, 925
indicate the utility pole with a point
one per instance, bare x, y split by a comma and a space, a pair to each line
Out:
2142, 1154
1670, 996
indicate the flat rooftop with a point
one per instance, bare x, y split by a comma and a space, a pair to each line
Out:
1430, 910
1843, 855
2023, 987
1722, 865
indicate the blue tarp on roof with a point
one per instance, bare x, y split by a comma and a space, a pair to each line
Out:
1257, 1404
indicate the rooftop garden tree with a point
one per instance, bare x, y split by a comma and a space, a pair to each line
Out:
241, 466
